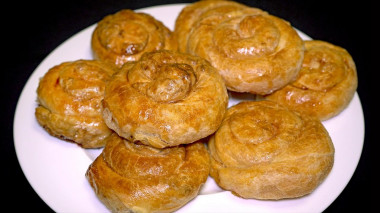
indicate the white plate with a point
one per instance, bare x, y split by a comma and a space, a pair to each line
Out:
55, 168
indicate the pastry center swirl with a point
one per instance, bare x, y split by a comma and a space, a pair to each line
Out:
125, 38
260, 135
321, 70
249, 36
82, 81
250, 130
170, 82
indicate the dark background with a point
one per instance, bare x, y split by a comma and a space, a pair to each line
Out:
30, 30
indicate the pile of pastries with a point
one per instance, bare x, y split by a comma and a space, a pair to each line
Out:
156, 101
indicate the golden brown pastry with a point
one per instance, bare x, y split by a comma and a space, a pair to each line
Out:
265, 151
254, 51
126, 35
192, 13
165, 99
130, 177
326, 84
69, 97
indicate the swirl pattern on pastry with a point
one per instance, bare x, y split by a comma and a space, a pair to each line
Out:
130, 177
69, 97
326, 84
254, 51
192, 13
165, 99
126, 35
262, 150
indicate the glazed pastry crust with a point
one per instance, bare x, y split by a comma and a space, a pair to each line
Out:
326, 84
254, 51
165, 99
126, 35
129, 177
264, 151
69, 102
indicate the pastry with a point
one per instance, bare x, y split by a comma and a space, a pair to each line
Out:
165, 99
254, 51
326, 84
131, 177
126, 35
263, 150
69, 101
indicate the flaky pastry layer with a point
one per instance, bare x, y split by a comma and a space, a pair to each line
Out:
326, 83
126, 35
129, 177
262, 150
165, 99
254, 51
69, 101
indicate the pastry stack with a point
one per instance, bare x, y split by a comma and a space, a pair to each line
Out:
157, 101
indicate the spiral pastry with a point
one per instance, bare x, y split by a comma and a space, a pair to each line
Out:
126, 35
254, 51
130, 177
262, 150
326, 84
69, 97
165, 99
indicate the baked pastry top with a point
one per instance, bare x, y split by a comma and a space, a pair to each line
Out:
192, 13
69, 101
130, 177
326, 83
263, 150
254, 51
126, 35
165, 99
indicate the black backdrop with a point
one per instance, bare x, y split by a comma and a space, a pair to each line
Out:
31, 30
